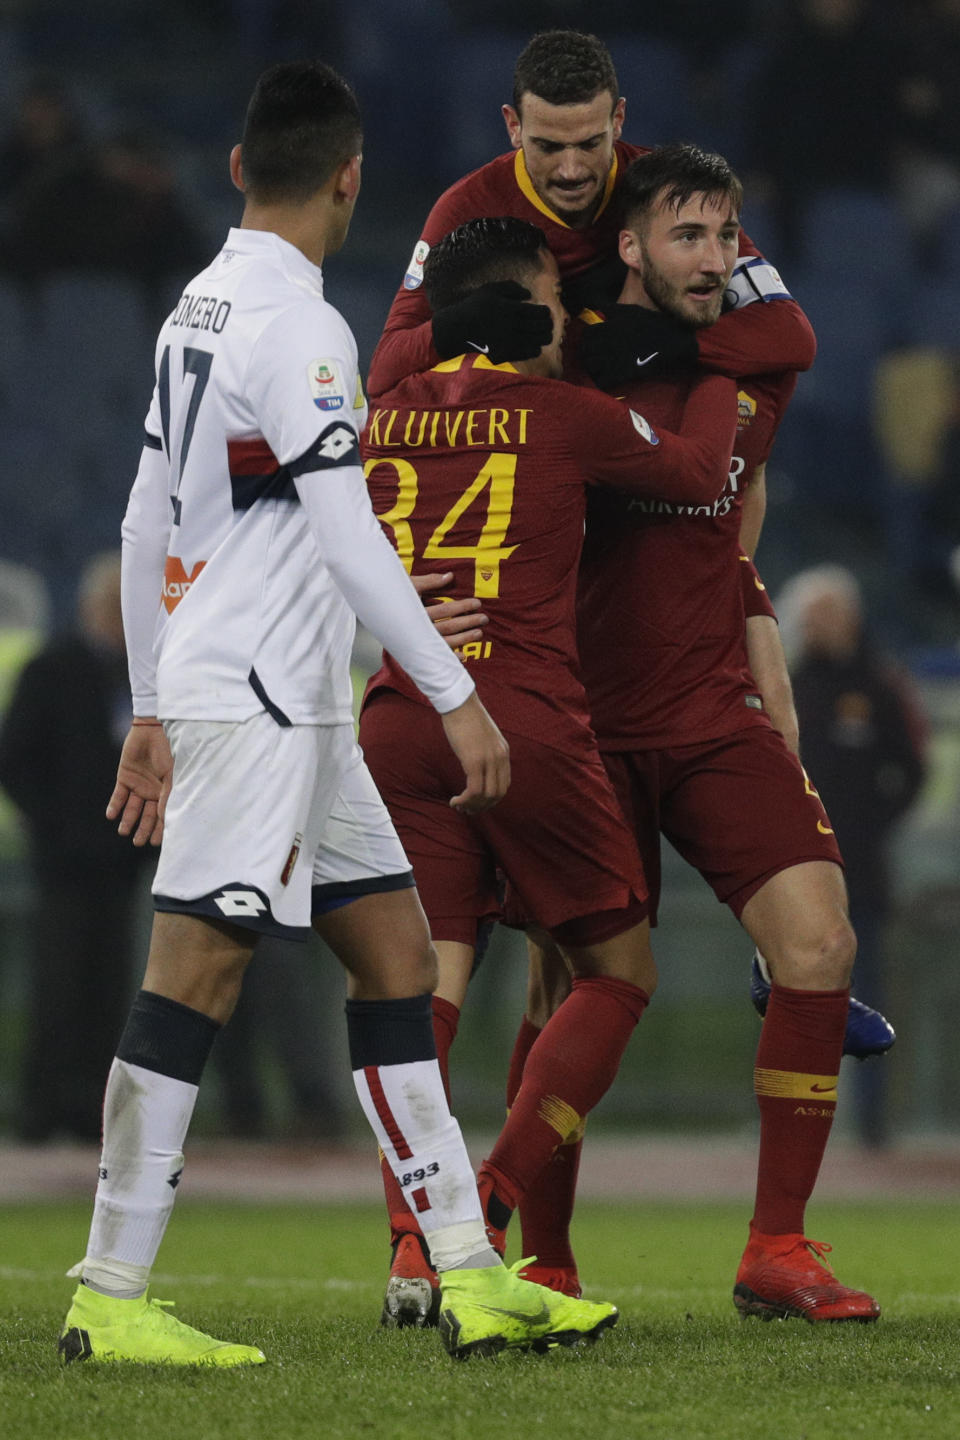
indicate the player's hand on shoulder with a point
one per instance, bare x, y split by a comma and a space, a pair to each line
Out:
460, 622
144, 776
496, 321
635, 344
483, 753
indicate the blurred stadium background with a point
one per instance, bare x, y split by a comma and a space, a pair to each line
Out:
845, 125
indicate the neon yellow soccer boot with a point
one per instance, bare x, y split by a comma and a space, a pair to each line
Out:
485, 1311
141, 1331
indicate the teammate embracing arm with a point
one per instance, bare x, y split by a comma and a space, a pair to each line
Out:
563, 173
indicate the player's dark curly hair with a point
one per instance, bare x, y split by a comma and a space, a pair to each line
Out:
564, 67
479, 252
671, 174
302, 122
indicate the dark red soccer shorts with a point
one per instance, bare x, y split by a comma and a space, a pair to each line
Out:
738, 809
558, 835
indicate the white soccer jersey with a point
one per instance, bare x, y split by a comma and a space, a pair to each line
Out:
249, 520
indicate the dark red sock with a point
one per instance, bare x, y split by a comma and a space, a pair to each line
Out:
546, 1206
524, 1043
570, 1067
446, 1018
798, 1061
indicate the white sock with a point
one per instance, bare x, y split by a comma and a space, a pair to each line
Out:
408, 1110
145, 1120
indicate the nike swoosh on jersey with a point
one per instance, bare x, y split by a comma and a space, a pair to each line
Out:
484, 349
652, 356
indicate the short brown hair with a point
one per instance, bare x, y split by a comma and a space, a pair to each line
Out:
564, 67
673, 173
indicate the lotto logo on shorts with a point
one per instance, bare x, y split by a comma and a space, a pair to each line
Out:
241, 904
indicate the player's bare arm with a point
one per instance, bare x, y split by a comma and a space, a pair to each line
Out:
143, 782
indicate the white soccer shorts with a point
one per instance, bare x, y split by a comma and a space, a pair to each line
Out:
248, 818
359, 852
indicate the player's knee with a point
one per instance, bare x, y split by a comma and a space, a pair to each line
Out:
823, 960
838, 951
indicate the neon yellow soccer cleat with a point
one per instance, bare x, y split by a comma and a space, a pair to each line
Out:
100, 1327
485, 1311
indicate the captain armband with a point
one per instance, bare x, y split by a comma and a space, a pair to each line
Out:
754, 279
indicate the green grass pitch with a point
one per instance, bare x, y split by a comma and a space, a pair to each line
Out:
306, 1285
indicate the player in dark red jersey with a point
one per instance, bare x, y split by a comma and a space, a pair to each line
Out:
480, 469
563, 174
692, 754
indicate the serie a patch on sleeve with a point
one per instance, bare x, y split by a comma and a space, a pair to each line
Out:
327, 387
414, 276
644, 428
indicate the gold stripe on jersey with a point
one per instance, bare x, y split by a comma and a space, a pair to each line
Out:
793, 1085
559, 1116
480, 362
525, 184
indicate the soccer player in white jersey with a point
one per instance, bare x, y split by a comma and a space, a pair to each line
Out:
249, 546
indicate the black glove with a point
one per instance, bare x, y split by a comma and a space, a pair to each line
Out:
596, 288
636, 344
496, 321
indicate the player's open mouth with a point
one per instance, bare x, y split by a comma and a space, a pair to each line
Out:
703, 292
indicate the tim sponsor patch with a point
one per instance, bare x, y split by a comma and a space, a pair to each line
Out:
414, 275
326, 386
644, 428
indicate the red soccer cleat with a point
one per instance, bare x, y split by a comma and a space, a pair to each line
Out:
413, 1290
562, 1278
785, 1275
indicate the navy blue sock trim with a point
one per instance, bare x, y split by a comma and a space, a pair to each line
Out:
390, 1032
167, 1037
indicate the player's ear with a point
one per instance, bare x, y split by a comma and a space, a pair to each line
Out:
619, 111
512, 121
629, 247
347, 179
236, 167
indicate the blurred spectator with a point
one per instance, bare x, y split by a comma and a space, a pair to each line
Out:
59, 745
824, 111
917, 408
928, 171
862, 740
45, 127
110, 206
24, 621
